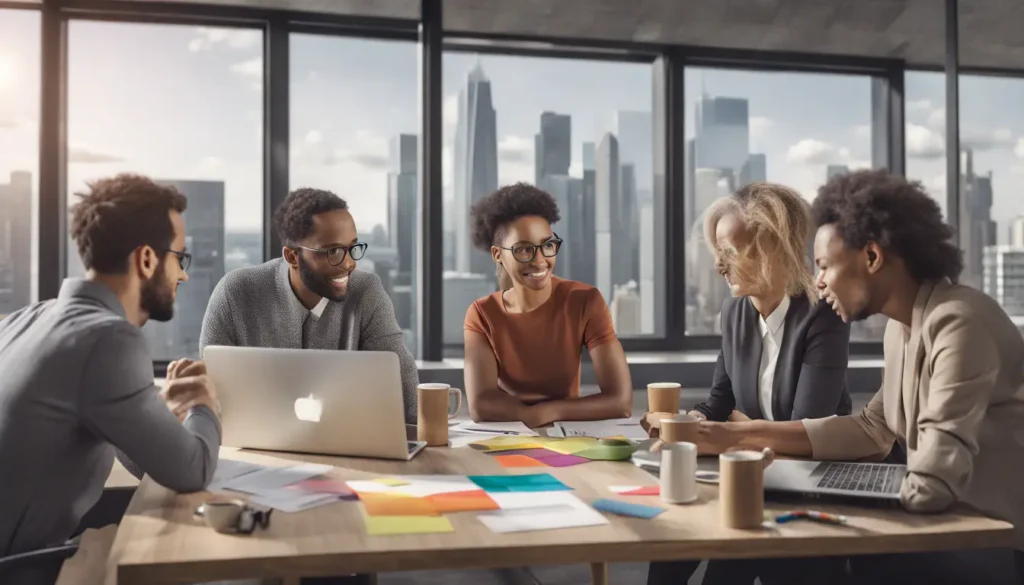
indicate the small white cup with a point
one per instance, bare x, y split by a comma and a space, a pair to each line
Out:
678, 473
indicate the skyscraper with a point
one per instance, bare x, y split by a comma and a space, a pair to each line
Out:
976, 230
476, 165
754, 170
459, 292
1017, 232
722, 133
16, 242
633, 131
1004, 277
204, 236
606, 197
584, 207
833, 171
588, 156
552, 146
625, 229
626, 310
402, 228
568, 194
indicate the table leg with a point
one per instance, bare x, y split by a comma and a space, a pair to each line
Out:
599, 573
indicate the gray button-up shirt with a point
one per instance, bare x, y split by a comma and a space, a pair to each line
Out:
76, 382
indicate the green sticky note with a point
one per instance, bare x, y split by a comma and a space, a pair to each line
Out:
532, 482
607, 452
392, 525
390, 481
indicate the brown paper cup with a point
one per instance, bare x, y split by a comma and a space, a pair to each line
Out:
741, 489
663, 397
682, 428
433, 412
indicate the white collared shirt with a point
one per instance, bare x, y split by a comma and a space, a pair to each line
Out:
771, 330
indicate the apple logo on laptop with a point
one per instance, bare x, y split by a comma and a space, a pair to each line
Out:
308, 409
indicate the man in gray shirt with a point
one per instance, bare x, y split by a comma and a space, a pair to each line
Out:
313, 297
77, 378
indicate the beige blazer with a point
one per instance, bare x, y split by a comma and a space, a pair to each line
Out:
953, 395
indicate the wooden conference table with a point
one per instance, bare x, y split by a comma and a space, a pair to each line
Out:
159, 541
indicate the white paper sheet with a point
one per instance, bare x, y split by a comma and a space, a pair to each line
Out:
539, 511
228, 469
292, 500
419, 486
270, 479
625, 427
460, 438
500, 428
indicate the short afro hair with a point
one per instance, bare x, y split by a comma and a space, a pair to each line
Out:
492, 214
897, 214
119, 214
293, 220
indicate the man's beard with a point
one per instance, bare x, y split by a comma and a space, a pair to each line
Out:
316, 282
158, 297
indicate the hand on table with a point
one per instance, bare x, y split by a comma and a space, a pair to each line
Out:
185, 367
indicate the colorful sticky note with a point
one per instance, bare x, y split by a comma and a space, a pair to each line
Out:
572, 446
518, 461
393, 525
398, 506
471, 501
564, 460
535, 453
636, 490
390, 481
627, 508
607, 452
534, 482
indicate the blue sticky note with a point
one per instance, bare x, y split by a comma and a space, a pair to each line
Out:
627, 508
531, 482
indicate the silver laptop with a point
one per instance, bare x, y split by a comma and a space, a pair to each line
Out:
329, 402
873, 481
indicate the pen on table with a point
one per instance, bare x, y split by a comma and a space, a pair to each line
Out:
811, 515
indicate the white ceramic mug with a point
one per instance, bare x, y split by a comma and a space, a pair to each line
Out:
679, 473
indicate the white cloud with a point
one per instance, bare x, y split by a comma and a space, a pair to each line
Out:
937, 119
236, 38
85, 155
924, 142
862, 130
364, 149
249, 68
1019, 149
515, 149
982, 140
919, 107
1017, 170
811, 151
314, 137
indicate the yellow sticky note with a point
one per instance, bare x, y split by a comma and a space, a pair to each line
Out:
572, 446
391, 525
391, 482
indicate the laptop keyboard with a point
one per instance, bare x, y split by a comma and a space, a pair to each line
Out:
861, 477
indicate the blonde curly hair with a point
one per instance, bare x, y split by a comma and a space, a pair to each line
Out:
780, 226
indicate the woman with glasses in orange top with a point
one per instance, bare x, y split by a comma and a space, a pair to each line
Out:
524, 342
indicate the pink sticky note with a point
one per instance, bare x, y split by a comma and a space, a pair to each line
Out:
564, 460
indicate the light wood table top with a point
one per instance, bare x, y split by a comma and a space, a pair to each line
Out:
159, 541
120, 478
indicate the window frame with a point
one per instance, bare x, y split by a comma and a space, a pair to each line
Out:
669, 63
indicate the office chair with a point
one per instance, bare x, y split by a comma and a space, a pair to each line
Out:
37, 567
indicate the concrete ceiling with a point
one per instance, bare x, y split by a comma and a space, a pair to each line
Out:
991, 31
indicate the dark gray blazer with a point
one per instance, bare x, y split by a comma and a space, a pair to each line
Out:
810, 375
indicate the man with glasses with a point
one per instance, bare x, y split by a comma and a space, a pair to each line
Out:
313, 297
77, 379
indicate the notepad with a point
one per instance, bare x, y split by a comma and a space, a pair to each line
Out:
534, 482
394, 525
627, 508
524, 512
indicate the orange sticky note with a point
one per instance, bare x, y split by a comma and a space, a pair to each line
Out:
468, 501
518, 461
398, 506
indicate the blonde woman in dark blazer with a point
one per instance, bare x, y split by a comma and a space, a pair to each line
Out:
784, 352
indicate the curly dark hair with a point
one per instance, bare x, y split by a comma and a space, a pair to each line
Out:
293, 220
117, 215
490, 215
897, 214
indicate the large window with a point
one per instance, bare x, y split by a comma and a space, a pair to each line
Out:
991, 205
354, 121
182, 105
925, 131
19, 161
798, 129
581, 130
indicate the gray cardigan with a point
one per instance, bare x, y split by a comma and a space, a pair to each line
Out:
810, 375
256, 307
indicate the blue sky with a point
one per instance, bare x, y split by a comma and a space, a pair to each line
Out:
181, 102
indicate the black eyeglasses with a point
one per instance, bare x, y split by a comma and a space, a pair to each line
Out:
527, 252
184, 259
336, 255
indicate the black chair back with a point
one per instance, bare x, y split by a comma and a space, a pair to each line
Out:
38, 567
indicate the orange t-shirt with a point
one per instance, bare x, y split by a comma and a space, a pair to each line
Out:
539, 352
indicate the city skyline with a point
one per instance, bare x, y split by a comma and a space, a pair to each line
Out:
351, 97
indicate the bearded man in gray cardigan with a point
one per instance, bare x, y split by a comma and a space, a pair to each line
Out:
313, 297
